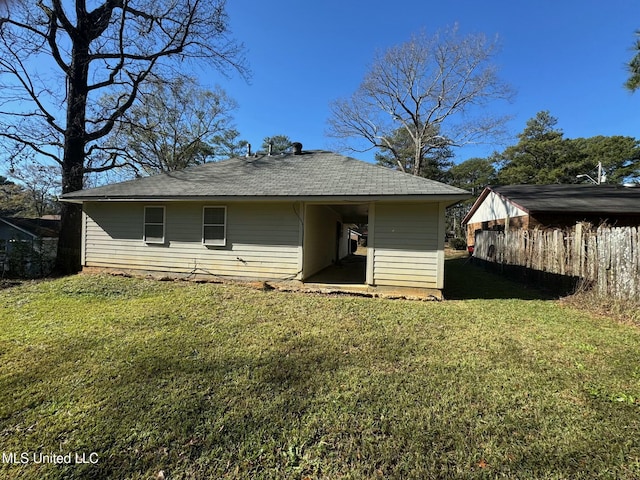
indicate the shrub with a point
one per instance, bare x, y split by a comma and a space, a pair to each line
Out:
458, 243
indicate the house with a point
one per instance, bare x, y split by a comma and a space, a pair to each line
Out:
268, 217
28, 245
552, 206
354, 240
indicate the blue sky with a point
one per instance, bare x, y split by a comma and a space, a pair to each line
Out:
565, 56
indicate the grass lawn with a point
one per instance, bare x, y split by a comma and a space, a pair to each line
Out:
211, 381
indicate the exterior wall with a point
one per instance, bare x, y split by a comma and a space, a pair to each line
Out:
319, 238
495, 207
498, 224
8, 233
492, 214
262, 240
24, 255
569, 219
407, 243
8, 238
551, 220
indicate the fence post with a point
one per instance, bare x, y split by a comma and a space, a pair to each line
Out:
578, 251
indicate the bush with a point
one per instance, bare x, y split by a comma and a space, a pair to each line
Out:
458, 243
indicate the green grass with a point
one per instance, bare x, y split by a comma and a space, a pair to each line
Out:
212, 381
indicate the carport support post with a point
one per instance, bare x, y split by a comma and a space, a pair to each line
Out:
301, 206
371, 243
83, 243
440, 257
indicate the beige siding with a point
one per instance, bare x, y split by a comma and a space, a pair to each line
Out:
319, 238
406, 245
261, 240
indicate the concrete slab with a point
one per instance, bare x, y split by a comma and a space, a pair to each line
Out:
359, 290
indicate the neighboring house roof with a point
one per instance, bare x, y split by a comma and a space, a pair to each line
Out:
566, 199
308, 175
36, 227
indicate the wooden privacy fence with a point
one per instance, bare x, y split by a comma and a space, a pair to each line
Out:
607, 258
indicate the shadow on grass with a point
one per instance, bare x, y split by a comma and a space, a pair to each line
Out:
162, 408
465, 280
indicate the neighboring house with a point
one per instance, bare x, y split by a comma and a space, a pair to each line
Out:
28, 245
552, 206
271, 218
354, 240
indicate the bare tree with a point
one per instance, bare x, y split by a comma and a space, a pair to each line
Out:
436, 161
174, 125
42, 184
432, 87
57, 59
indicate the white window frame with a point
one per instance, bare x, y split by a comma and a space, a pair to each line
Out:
145, 223
221, 242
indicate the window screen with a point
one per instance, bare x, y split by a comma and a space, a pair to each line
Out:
214, 229
154, 224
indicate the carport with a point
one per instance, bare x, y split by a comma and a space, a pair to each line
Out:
326, 256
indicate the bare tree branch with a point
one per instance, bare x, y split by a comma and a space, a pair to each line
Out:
432, 87
58, 60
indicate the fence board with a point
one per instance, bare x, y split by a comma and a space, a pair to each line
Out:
606, 257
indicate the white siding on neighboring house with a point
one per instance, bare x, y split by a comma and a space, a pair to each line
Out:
495, 207
344, 241
261, 239
406, 245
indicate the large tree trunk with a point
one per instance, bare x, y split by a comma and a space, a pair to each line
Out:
68, 255
69, 246
69, 242
418, 157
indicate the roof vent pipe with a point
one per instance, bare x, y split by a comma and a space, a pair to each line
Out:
270, 147
248, 149
297, 148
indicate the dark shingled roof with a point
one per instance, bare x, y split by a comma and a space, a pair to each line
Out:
311, 174
582, 198
38, 227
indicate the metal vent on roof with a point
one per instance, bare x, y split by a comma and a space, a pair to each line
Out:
297, 148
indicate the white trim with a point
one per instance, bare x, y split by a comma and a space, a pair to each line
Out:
83, 245
305, 235
215, 242
440, 256
145, 223
301, 225
319, 199
371, 243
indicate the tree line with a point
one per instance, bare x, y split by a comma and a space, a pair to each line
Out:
543, 155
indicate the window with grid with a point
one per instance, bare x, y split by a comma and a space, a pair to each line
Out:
214, 226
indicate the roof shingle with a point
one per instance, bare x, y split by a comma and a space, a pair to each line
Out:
311, 174
580, 198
